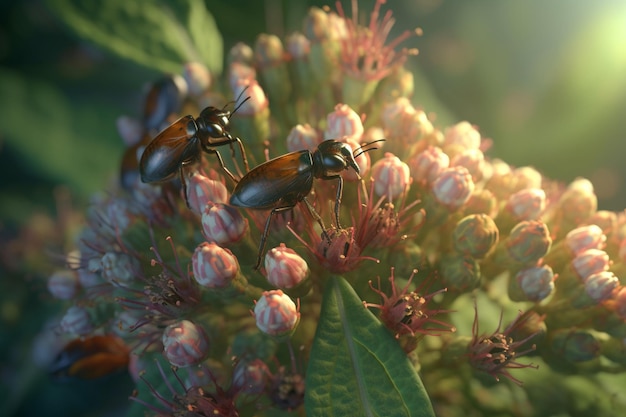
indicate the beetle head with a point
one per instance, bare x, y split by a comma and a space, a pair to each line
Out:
335, 157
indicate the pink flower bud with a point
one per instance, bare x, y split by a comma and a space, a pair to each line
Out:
343, 122
586, 237
77, 321
250, 376
285, 268
316, 25
418, 125
268, 50
395, 116
501, 181
119, 267
527, 177
527, 204
579, 201
391, 177
473, 160
302, 137
461, 136
117, 216
374, 133
198, 78
185, 343
202, 190
590, 262
298, 45
64, 284
90, 277
129, 129
605, 220
453, 187
214, 266
239, 73
223, 224
427, 165
276, 314
337, 28
528, 242
258, 100
536, 282
242, 53
600, 286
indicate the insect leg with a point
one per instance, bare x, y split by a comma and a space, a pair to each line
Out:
243, 154
241, 149
317, 217
183, 182
221, 161
338, 199
266, 232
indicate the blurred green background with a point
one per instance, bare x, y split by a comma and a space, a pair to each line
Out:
545, 80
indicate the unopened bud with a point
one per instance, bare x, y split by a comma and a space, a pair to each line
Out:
223, 224
302, 137
285, 268
343, 121
391, 177
214, 266
202, 191
532, 284
276, 314
64, 284
185, 343
453, 187
475, 235
77, 321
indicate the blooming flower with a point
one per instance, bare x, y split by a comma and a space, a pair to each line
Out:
408, 312
497, 353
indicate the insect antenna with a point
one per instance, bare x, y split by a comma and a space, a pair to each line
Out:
364, 148
236, 100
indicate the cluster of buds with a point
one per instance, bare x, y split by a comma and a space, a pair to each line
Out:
168, 267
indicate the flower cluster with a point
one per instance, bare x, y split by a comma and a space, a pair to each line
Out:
168, 267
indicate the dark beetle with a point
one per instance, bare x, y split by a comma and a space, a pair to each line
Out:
182, 144
283, 182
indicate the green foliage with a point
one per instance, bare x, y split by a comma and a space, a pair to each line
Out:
151, 33
356, 367
57, 135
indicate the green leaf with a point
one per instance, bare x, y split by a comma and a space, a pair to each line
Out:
158, 34
64, 141
356, 367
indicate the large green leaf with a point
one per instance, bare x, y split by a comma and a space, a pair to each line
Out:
61, 140
356, 367
158, 34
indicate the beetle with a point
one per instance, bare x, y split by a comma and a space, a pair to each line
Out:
281, 183
182, 143
165, 96
90, 358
